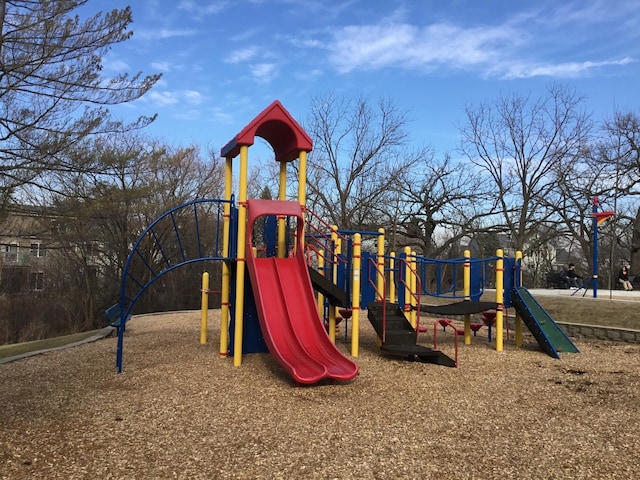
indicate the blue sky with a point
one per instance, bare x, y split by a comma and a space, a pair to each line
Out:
223, 61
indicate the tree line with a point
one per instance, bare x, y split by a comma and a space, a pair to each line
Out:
523, 176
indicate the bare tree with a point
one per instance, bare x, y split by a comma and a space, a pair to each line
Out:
360, 152
620, 152
53, 90
440, 203
522, 144
99, 216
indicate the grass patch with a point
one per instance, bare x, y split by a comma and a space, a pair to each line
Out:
14, 349
566, 309
592, 311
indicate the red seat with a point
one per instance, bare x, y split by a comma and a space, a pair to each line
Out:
445, 322
489, 317
475, 327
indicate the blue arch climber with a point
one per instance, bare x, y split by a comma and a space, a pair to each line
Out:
188, 233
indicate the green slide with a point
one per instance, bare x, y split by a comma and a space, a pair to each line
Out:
549, 335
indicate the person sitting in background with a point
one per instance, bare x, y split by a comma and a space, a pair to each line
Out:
573, 277
623, 278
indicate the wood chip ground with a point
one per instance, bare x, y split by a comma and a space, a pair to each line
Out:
178, 411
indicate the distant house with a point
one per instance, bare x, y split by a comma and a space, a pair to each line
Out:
23, 251
28, 250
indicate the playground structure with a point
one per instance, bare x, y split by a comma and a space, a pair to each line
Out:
285, 274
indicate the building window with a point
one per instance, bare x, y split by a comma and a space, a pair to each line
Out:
38, 250
10, 252
37, 280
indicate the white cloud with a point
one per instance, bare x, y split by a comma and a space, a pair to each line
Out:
163, 99
563, 70
164, 33
548, 39
171, 33
586, 13
161, 66
208, 8
114, 65
242, 55
167, 98
409, 46
193, 97
263, 72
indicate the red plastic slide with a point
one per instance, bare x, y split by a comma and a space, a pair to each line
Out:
287, 310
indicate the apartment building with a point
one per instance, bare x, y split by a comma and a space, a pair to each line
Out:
24, 241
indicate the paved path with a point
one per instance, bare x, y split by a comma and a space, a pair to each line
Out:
603, 294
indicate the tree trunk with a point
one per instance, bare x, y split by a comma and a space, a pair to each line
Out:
635, 246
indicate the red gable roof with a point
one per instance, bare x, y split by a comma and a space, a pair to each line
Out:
276, 126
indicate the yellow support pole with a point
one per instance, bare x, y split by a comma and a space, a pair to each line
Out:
407, 282
355, 292
518, 317
380, 266
226, 268
380, 274
414, 290
392, 281
241, 252
499, 300
302, 192
302, 179
282, 226
204, 305
467, 295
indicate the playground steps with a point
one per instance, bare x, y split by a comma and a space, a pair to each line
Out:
398, 329
419, 353
401, 338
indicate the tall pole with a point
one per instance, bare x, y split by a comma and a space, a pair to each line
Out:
466, 273
499, 300
594, 281
615, 209
241, 260
598, 217
226, 264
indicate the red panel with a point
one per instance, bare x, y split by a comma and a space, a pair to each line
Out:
278, 331
290, 322
276, 126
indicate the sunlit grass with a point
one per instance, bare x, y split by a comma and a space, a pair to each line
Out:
14, 349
